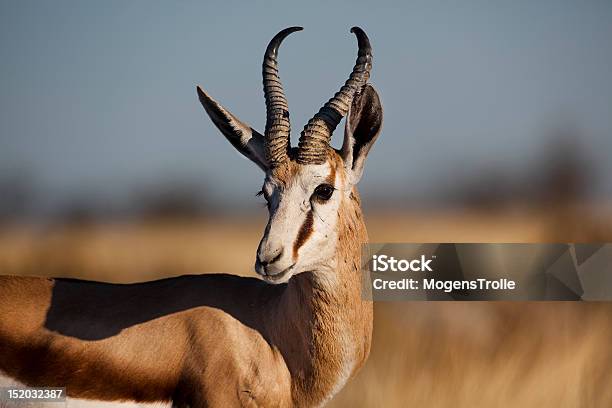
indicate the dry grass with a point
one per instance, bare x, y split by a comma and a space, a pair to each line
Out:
486, 355
424, 354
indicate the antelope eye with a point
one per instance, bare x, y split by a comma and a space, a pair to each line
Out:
324, 192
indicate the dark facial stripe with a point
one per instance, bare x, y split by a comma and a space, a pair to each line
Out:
304, 234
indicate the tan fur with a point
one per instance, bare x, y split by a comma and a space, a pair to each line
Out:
285, 172
206, 340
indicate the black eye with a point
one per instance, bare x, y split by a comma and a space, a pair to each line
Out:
324, 192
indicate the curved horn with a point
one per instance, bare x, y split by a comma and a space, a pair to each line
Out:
277, 110
316, 135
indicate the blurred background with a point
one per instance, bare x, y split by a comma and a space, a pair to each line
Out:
497, 129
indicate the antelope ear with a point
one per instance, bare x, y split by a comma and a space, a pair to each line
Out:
363, 125
244, 138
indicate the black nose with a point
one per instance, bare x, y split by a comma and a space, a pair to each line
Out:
265, 263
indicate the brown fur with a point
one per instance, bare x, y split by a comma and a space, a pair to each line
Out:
286, 172
303, 234
208, 340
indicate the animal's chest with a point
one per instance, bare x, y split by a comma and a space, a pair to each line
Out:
250, 373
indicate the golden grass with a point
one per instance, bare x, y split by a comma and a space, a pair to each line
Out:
424, 354
482, 354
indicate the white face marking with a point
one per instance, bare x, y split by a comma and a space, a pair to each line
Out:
303, 229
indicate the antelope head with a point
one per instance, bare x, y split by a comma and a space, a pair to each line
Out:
310, 187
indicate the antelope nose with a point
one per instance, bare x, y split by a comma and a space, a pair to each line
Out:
270, 260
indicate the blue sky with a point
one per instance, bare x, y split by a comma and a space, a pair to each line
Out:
99, 97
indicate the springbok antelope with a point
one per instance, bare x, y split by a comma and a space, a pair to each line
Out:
292, 338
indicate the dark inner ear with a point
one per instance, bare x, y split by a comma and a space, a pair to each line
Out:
243, 137
365, 120
221, 118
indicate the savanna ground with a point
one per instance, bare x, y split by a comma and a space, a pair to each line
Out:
424, 354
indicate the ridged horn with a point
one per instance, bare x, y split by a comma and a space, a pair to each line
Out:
278, 128
316, 135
